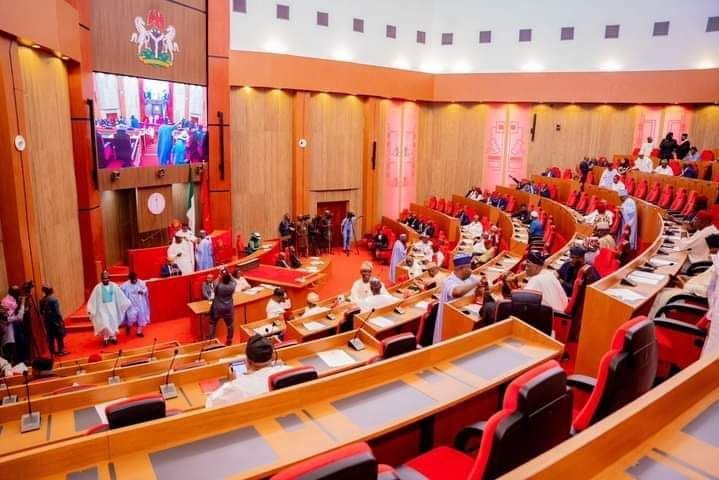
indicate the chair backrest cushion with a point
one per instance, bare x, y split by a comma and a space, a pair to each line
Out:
353, 462
398, 344
292, 376
135, 410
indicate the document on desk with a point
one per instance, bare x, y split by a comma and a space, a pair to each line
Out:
267, 286
253, 290
472, 308
381, 322
625, 294
422, 305
267, 329
313, 326
643, 280
336, 358
660, 262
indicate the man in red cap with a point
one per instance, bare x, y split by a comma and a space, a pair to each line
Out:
701, 227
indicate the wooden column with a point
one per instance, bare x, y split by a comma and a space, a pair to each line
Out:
88, 196
300, 171
371, 135
218, 102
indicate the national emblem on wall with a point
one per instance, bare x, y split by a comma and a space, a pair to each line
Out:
155, 41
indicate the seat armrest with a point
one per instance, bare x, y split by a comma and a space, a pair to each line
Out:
468, 434
690, 299
582, 382
679, 326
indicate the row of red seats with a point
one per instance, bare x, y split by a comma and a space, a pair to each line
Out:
542, 408
705, 155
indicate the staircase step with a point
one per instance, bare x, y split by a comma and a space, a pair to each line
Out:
78, 327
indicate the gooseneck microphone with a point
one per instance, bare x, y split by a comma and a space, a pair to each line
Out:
168, 389
152, 352
8, 398
112, 379
355, 342
31, 420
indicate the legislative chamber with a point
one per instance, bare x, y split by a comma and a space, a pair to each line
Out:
335, 240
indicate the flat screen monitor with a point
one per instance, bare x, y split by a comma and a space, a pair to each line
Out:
141, 122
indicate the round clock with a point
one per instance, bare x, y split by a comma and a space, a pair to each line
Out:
156, 203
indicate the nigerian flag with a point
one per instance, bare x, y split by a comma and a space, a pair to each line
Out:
191, 200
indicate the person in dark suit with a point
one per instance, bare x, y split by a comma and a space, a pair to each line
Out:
123, 147
683, 147
667, 146
170, 269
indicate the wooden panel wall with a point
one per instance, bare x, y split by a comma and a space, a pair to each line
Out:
335, 141
3, 269
451, 147
594, 130
113, 22
49, 140
148, 221
118, 224
704, 130
261, 159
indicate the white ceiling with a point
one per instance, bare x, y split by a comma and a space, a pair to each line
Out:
688, 45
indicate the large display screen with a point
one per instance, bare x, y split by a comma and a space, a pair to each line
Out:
149, 123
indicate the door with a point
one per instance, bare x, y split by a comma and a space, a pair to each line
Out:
338, 211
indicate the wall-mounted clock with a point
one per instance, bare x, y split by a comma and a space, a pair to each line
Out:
156, 203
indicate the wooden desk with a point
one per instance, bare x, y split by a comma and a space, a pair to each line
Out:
68, 416
666, 430
512, 238
445, 222
242, 301
399, 228
266, 434
564, 186
611, 196
401, 322
604, 313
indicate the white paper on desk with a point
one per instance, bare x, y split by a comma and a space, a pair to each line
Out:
267, 329
313, 326
381, 322
473, 308
336, 358
267, 286
649, 275
495, 269
659, 262
625, 294
316, 262
422, 305
645, 281
253, 290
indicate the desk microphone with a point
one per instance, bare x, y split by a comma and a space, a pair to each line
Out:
167, 389
152, 352
113, 379
355, 342
9, 398
31, 420
80, 370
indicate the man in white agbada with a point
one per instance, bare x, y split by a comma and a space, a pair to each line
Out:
545, 281
695, 245
361, 287
644, 164
474, 228
377, 299
107, 307
711, 345
459, 283
607, 178
424, 246
399, 251
182, 251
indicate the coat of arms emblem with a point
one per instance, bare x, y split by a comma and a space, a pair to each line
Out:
155, 41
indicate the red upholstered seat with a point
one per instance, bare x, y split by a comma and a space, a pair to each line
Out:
654, 192
566, 327
655, 153
352, 462
398, 345
680, 342
642, 189
441, 203
606, 261
511, 205
553, 192
667, 196
293, 376
527, 306
432, 203
535, 416
592, 204
134, 410
556, 172
677, 204
625, 372
572, 198
550, 234
616, 221
425, 329
676, 166
631, 185
635, 152
449, 207
707, 156
590, 178
582, 203
567, 174
690, 206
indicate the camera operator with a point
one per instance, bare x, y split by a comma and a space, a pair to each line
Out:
13, 335
52, 318
326, 229
347, 228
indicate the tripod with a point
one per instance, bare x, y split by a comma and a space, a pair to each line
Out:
354, 234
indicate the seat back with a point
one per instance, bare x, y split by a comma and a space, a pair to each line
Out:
536, 416
631, 184
292, 376
567, 174
626, 371
592, 204
348, 320
398, 344
581, 205
706, 156
511, 205
449, 207
691, 203
135, 410
676, 166
441, 204
667, 196
679, 200
590, 178
432, 202
616, 221
572, 198
549, 236
425, 332
606, 262
642, 188
352, 462
527, 306
654, 191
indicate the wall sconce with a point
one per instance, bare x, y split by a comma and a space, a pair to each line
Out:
161, 173
114, 175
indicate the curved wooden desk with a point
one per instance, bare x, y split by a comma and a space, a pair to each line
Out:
445, 222
257, 437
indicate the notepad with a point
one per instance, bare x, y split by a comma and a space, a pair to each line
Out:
336, 358
267, 329
422, 304
625, 294
253, 290
316, 262
645, 281
381, 322
312, 269
267, 285
313, 326
649, 275
314, 258
495, 269
658, 262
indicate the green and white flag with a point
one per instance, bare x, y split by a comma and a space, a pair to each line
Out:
191, 200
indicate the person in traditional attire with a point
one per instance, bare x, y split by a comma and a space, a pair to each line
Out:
607, 178
380, 242
254, 243
414, 269
711, 345
312, 308
138, 315
181, 251
241, 283
701, 227
347, 227
545, 281
399, 251
278, 304
459, 283
377, 298
475, 228
424, 247
164, 144
14, 306
361, 288
106, 307
281, 260
600, 215
204, 254
569, 270
629, 216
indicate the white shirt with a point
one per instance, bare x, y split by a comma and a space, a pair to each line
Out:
475, 195
711, 345
377, 301
415, 270
247, 385
241, 284
644, 165
314, 311
553, 294
479, 247
475, 229
618, 186
276, 309
360, 291
596, 217
664, 170
646, 149
607, 179
423, 248
439, 258
696, 244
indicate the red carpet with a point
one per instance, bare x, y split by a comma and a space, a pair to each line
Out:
344, 271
